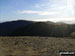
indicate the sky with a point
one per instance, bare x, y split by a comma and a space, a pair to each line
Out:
37, 10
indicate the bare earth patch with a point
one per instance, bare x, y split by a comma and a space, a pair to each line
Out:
35, 46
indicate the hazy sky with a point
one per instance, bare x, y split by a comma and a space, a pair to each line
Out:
54, 10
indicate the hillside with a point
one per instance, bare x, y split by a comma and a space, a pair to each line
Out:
32, 28
46, 29
10, 26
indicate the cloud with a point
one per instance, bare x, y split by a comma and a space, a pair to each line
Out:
56, 4
42, 5
36, 12
71, 20
39, 6
58, 7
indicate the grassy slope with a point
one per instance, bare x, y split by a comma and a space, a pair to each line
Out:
35, 46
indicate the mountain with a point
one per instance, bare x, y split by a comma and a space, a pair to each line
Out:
45, 29
34, 29
7, 27
70, 22
31, 28
67, 22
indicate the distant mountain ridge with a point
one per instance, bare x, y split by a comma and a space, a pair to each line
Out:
8, 27
32, 28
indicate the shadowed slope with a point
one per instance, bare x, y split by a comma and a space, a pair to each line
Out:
8, 27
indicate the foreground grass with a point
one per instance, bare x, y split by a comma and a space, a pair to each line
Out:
35, 46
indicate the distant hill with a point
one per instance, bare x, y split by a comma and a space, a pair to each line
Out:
7, 27
67, 22
31, 28
45, 29
34, 29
